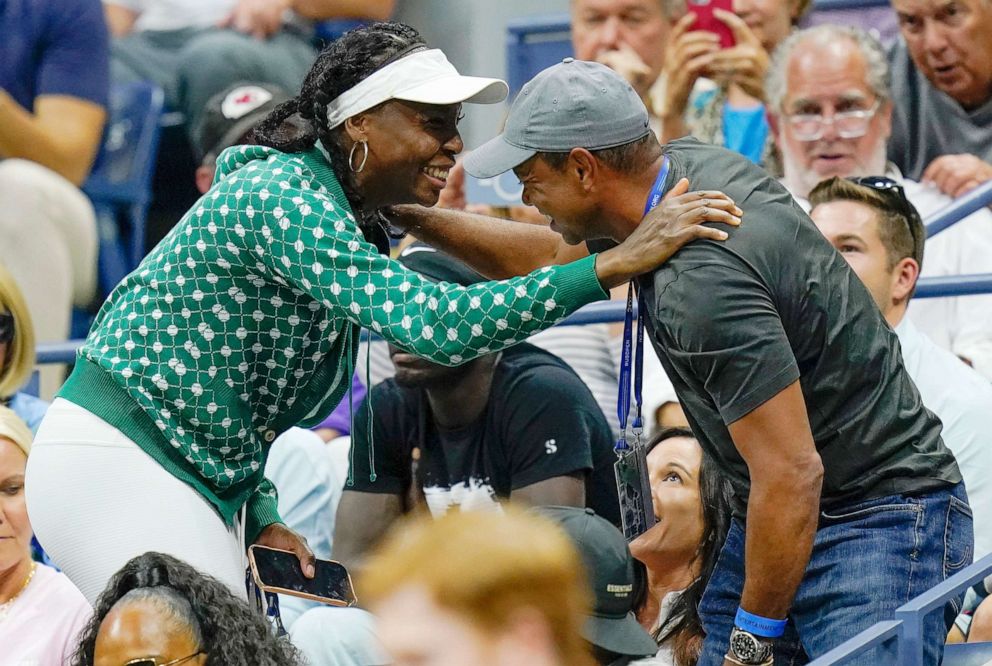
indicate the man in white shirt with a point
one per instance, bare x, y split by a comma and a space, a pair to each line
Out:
831, 110
880, 235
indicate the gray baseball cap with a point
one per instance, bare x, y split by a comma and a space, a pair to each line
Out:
574, 104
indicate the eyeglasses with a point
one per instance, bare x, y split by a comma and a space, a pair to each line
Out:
153, 661
848, 124
897, 195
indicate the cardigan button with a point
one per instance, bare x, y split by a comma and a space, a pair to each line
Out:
269, 436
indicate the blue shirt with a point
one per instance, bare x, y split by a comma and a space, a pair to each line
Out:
745, 131
29, 408
54, 47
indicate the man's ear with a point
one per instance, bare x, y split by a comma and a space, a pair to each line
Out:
773, 125
904, 278
585, 167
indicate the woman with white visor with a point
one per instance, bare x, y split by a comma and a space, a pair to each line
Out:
245, 319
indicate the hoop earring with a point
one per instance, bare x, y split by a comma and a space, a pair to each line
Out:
365, 156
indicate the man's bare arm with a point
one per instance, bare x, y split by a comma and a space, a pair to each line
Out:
786, 472
63, 133
362, 519
497, 248
557, 491
320, 10
120, 20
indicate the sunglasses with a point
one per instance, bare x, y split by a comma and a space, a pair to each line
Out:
895, 193
153, 661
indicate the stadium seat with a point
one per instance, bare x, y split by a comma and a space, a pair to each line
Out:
120, 184
535, 43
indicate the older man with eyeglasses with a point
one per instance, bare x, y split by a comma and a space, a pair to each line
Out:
831, 111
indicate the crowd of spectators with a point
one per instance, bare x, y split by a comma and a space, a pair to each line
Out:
469, 486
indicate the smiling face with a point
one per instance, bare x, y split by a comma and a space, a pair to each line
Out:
673, 468
949, 42
827, 79
599, 26
142, 629
15, 528
411, 149
560, 197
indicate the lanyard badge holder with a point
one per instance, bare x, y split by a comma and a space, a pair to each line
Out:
270, 607
631, 467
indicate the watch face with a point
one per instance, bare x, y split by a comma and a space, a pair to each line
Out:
744, 647
748, 649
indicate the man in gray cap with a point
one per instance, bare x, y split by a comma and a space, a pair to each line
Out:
788, 374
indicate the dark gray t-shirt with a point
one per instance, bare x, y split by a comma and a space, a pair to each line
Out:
736, 322
926, 123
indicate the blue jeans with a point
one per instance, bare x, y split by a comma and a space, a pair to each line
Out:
868, 559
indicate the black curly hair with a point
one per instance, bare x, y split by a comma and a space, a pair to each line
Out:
295, 125
231, 633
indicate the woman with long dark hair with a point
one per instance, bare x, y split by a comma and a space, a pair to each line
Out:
245, 319
158, 610
692, 504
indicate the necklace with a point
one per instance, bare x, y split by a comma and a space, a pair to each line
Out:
5, 606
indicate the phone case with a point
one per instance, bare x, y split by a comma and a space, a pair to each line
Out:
295, 593
705, 20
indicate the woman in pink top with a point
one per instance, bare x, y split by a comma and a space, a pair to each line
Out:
41, 612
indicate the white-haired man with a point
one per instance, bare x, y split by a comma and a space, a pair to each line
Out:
831, 112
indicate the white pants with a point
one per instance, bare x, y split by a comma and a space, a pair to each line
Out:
48, 242
96, 500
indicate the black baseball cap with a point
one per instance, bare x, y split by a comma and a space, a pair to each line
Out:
231, 113
438, 266
610, 567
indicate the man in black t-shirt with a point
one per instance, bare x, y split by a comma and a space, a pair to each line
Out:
846, 498
515, 425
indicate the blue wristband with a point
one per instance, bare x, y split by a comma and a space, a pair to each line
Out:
759, 626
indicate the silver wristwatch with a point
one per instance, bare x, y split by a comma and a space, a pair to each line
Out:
748, 649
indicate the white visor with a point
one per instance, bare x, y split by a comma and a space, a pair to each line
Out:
423, 76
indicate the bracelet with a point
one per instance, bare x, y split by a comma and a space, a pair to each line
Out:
759, 626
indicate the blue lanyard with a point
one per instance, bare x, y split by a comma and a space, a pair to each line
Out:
628, 356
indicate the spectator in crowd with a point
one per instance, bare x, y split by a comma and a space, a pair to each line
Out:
41, 612
831, 107
245, 320
692, 505
195, 48
877, 230
942, 84
473, 436
160, 610
17, 355
611, 628
733, 114
53, 98
628, 36
483, 588
736, 325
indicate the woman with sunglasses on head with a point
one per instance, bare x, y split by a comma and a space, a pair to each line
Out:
245, 319
158, 611
41, 612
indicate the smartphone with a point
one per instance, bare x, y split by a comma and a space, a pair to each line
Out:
705, 20
279, 571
